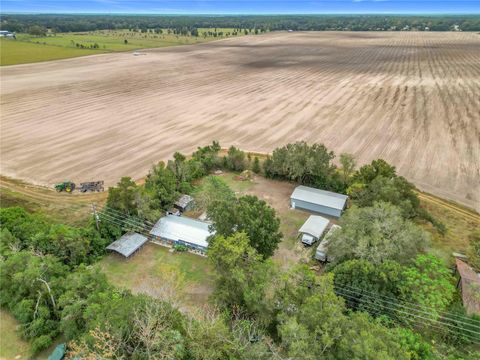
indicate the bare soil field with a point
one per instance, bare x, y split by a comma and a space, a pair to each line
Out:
410, 98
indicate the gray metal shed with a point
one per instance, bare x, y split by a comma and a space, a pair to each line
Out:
318, 201
128, 244
184, 203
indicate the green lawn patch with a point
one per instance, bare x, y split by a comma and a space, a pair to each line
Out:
12, 346
152, 266
17, 52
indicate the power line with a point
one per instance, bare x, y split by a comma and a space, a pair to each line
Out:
118, 212
413, 305
434, 325
375, 307
124, 222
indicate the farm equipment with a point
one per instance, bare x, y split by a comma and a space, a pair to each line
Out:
66, 186
69, 186
91, 186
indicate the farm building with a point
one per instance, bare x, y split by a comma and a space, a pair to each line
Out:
318, 201
312, 230
469, 285
184, 203
128, 244
182, 231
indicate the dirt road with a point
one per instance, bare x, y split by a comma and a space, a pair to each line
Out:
410, 98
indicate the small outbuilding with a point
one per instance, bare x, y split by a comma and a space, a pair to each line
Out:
469, 286
184, 203
128, 244
313, 229
318, 201
182, 231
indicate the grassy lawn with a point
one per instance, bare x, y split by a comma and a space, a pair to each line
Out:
155, 270
11, 344
28, 48
277, 195
16, 52
71, 209
459, 227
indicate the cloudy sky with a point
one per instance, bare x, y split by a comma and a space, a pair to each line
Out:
241, 6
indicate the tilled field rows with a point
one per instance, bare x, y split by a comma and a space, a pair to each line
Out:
411, 98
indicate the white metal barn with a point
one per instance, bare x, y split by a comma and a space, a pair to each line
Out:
318, 201
181, 230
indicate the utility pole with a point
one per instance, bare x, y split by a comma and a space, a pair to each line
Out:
94, 207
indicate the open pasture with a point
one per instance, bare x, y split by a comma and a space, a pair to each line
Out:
28, 49
410, 98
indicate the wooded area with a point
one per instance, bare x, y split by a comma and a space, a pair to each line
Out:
67, 23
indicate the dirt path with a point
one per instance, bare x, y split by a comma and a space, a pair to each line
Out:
66, 208
408, 97
468, 214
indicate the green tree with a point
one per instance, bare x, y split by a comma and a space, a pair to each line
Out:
250, 215
235, 159
376, 168
376, 234
348, 167
8, 243
37, 30
365, 285
213, 191
85, 290
30, 286
242, 275
208, 156
312, 323
256, 165
160, 186
123, 197
429, 283
396, 191
364, 338
302, 163
183, 172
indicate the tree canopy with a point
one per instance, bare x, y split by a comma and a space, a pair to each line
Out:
376, 234
251, 215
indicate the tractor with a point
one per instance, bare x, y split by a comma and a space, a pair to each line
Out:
66, 186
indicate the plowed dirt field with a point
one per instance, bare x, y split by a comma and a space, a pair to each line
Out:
411, 98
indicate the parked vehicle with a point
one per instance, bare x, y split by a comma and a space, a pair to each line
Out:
321, 252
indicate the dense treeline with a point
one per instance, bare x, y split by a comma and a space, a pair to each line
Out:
258, 310
67, 23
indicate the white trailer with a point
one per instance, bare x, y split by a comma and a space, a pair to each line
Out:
321, 252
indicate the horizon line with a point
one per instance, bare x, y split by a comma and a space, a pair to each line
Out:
238, 13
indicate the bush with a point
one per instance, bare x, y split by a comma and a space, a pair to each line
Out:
40, 343
180, 247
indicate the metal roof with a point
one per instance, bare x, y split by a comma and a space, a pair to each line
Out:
470, 282
315, 226
184, 201
128, 244
182, 228
319, 197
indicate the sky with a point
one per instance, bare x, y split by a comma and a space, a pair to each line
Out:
242, 6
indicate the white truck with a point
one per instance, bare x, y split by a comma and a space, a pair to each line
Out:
321, 252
